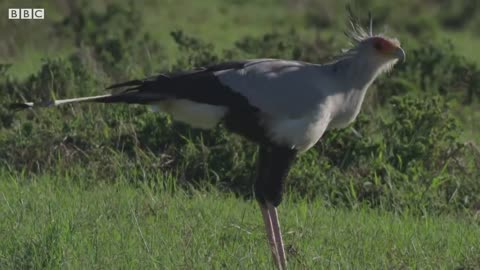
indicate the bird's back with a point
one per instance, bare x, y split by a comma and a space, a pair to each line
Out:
279, 87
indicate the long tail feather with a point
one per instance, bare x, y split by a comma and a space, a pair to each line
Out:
124, 97
146, 91
53, 103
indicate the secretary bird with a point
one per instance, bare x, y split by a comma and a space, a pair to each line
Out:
284, 106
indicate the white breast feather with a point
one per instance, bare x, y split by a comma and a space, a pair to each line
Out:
299, 133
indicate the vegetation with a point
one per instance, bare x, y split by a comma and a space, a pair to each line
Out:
55, 222
102, 186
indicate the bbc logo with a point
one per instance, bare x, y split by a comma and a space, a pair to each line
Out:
26, 13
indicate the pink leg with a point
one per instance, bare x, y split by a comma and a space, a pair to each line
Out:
270, 234
277, 234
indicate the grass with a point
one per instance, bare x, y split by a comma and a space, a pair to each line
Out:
57, 222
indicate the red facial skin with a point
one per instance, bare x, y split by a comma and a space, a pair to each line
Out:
384, 46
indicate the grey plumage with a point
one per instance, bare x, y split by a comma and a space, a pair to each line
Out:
299, 101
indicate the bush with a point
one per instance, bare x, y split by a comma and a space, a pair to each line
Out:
411, 164
435, 69
114, 36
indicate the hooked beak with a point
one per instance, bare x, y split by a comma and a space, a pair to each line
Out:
399, 53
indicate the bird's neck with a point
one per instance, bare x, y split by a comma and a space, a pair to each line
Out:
355, 76
359, 73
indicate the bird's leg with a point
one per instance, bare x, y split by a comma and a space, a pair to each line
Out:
263, 163
277, 233
274, 164
270, 235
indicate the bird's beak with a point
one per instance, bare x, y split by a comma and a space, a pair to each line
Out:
399, 53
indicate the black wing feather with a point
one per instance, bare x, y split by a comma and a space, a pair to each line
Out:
199, 85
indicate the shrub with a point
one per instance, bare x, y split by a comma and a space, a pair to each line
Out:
412, 163
115, 37
435, 69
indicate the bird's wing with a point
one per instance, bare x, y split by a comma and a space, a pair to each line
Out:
280, 87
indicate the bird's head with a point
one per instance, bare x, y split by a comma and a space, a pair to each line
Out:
382, 51
376, 50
